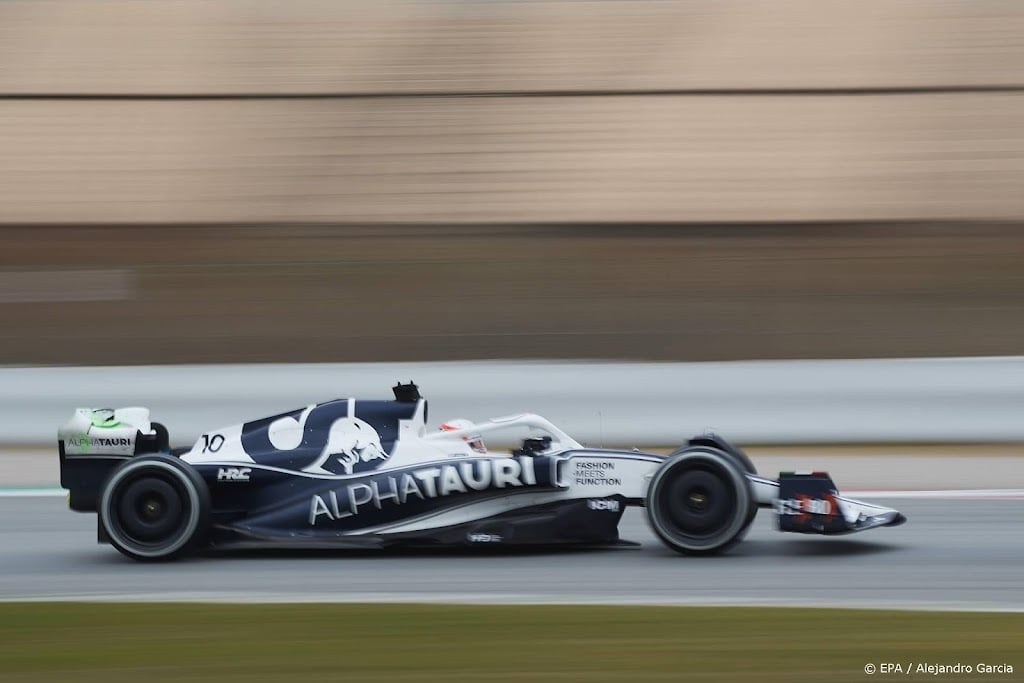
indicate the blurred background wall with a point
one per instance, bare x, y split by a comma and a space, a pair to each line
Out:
195, 180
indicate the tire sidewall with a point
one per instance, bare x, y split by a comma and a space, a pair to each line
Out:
195, 500
742, 461
739, 520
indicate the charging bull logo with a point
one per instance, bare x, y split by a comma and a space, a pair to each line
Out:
351, 442
339, 437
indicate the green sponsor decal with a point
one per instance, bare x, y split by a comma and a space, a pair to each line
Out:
105, 422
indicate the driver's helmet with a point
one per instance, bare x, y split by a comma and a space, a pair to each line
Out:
474, 441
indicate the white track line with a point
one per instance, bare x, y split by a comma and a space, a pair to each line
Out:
40, 492
514, 599
977, 494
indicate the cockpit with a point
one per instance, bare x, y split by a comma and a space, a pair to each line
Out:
524, 435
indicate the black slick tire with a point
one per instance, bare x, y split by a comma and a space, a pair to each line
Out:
700, 502
154, 507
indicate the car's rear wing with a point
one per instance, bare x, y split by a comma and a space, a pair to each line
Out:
95, 440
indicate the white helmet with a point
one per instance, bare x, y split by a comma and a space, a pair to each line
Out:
475, 441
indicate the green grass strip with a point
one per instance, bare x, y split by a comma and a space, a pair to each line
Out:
85, 642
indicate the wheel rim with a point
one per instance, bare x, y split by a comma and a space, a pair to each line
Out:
699, 503
150, 509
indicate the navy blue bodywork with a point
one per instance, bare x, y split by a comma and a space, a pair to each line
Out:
354, 473
273, 498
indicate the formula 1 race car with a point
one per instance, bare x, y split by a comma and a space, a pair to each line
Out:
368, 473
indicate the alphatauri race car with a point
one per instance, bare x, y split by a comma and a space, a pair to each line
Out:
370, 473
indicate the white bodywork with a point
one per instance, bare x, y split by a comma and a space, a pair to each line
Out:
104, 431
581, 472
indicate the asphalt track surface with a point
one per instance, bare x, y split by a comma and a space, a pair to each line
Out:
952, 554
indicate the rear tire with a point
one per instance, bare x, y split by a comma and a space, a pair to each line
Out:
155, 507
700, 502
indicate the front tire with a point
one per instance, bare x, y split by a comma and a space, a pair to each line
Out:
741, 459
700, 502
155, 507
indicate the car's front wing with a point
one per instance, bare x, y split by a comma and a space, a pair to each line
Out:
810, 503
